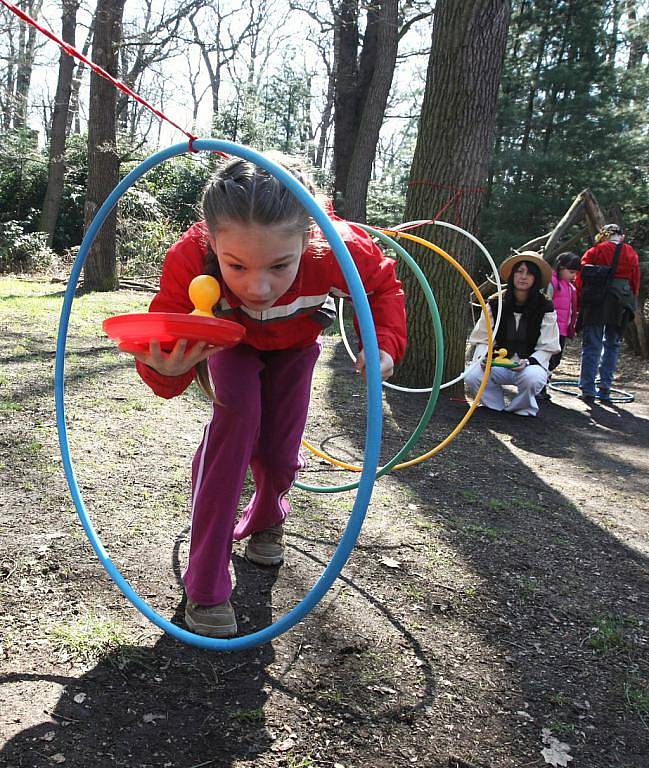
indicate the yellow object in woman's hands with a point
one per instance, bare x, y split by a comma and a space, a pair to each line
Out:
501, 360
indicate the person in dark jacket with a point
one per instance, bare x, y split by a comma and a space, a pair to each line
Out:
603, 322
528, 331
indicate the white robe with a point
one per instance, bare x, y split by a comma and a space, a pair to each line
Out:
529, 381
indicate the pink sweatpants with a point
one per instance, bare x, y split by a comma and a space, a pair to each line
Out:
259, 422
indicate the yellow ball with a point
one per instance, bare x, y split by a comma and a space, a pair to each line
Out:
204, 292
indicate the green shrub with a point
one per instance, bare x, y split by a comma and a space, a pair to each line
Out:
24, 252
69, 226
385, 205
177, 186
142, 244
23, 178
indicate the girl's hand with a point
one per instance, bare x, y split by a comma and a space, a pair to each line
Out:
178, 361
385, 360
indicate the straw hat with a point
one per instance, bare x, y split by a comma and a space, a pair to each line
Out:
508, 265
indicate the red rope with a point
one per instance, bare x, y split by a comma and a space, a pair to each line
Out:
71, 51
436, 185
454, 200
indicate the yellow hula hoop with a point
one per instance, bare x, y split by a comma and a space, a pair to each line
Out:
485, 377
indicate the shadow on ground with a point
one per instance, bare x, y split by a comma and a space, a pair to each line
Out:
118, 713
560, 598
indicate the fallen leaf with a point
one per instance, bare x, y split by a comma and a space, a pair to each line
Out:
80, 698
556, 753
151, 717
388, 562
58, 758
283, 746
49, 736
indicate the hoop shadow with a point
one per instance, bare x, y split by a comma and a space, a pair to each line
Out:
166, 704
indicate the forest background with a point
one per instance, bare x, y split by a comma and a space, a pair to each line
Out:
346, 85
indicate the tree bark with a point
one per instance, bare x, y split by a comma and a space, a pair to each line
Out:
574, 214
346, 42
637, 41
100, 272
594, 214
26, 53
73, 111
8, 73
451, 158
325, 121
54, 191
362, 90
383, 60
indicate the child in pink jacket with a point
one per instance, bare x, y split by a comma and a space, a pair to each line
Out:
563, 293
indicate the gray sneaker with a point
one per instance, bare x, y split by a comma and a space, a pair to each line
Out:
266, 547
211, 620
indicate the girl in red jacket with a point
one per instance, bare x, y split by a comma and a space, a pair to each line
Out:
277, 277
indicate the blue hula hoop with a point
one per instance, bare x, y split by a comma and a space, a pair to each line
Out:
374, 418
568, 387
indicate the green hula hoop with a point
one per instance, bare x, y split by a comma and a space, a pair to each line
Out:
437, 378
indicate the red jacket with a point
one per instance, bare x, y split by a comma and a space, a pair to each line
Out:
628, 266
299, 316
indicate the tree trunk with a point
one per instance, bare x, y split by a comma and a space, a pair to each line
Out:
637, 40
8, 71
54, 192
73, 111
637, 333
213, 71
383, 60
100, 272
325, 122
345, 101
453, 151
574, 214
550, 107
594, 215
616, 12
26, 53
362, 90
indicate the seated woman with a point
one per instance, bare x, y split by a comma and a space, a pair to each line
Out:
528, 331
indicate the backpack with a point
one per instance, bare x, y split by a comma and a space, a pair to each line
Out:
596, 279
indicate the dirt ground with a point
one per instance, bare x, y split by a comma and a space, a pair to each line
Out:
494, 613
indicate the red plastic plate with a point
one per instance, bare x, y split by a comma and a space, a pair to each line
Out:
134, 331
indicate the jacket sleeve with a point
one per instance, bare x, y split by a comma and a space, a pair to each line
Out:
184, 260
383, 289
587, 258
479, 337
548, 341
635, 273
574, 311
